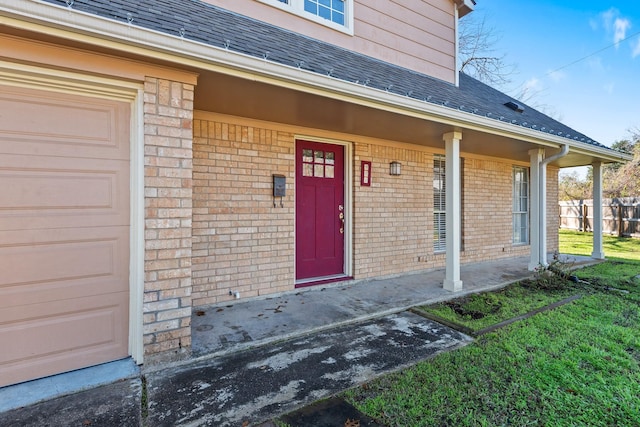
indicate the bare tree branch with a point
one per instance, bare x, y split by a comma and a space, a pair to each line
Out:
476, 50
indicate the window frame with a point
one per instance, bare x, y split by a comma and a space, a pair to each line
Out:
439, 215
521, 227
297, 7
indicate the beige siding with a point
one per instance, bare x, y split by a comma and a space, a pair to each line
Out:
419, 35
242, 243
403, 35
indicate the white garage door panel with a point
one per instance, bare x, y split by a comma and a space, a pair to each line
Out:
58, 192
61, 338
48, 123
64, 232
47, 266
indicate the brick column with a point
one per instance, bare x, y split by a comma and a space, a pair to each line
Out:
168, 157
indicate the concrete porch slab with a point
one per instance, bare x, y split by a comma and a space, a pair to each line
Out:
230, 327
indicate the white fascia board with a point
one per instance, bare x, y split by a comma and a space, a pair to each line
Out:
80, 26
603, 154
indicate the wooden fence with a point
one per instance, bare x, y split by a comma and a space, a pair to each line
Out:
620, 217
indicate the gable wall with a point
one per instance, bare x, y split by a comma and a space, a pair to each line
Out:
419, 35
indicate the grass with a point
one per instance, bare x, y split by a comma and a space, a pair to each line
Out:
615, 248
479, 311
576, 365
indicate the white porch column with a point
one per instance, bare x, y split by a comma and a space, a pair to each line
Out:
534, 208
452, 280
543, 202
598, 251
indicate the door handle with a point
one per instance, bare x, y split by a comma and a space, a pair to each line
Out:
341, 217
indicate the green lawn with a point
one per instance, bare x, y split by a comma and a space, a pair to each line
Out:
577, 365
576, 243
479, 311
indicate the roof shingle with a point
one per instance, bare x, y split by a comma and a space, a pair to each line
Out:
211, 25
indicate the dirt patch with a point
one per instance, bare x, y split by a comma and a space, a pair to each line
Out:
476, 306
331, 412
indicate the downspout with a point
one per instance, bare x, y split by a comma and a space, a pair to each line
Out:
543, 202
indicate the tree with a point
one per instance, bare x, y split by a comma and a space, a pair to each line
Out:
623, 180
619, 179
572, 187
624, 146
478, 58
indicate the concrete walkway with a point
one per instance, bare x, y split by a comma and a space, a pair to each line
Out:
251, 387
256, 359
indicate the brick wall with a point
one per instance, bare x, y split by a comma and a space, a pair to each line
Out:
168, 114
392, 219
487, 211
241, 242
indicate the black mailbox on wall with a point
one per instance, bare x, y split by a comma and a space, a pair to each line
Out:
279, 186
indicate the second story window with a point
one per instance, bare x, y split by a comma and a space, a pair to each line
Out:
333, 10
333, 13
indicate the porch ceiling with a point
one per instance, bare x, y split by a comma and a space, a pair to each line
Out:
235, 96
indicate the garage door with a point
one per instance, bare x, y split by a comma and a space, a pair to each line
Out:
64, 232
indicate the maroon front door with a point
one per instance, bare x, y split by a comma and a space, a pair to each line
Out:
320, 211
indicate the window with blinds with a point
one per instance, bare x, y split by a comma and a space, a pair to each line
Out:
439, 204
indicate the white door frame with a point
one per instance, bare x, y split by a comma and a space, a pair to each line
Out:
348, 197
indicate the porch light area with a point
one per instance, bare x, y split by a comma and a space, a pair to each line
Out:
395, 168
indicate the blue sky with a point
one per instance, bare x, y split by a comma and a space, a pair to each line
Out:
558, 48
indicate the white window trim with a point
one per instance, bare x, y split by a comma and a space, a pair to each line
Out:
297, 7
439, 245
527, 213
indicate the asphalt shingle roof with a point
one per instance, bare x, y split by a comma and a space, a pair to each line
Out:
211, 25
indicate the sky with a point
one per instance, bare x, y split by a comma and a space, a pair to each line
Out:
579, 60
